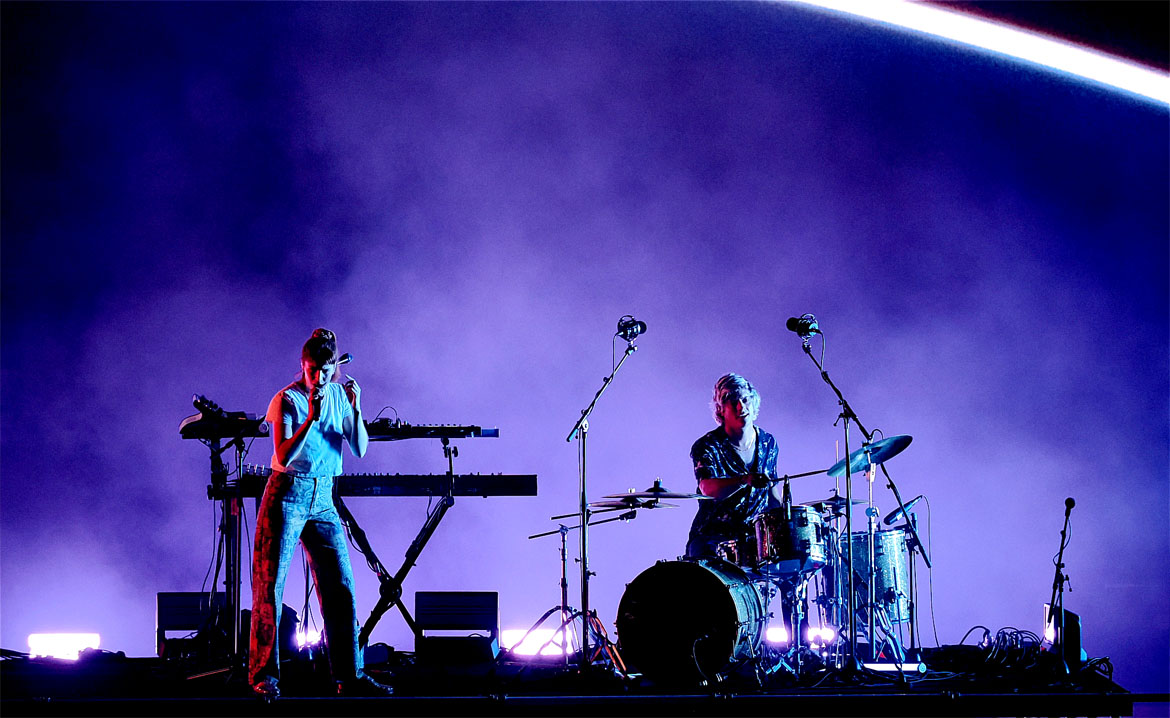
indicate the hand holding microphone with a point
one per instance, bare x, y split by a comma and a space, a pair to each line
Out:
315, 403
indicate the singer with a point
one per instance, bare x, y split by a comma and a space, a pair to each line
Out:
311, 418
733, 463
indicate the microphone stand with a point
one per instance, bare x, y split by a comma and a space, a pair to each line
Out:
847, 414
1056, 603
580, 431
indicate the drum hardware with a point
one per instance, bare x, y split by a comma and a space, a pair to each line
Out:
871, 454
569, 615
569, 640
580, 431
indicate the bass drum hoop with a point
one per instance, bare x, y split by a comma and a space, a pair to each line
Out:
687, 621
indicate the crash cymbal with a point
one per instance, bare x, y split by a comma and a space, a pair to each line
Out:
657, 491
879, 453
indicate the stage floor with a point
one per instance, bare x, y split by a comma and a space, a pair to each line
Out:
113, 685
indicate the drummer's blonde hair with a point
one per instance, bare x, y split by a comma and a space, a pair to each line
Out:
734, 383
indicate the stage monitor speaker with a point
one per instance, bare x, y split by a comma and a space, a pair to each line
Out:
444, 619
189, 611
1070, 642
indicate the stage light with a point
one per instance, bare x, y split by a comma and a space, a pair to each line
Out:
822, 635
776, 634
510, 638
306, 637
61, 645
909, 667
1009, 41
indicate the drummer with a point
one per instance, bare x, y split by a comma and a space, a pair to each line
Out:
733, 464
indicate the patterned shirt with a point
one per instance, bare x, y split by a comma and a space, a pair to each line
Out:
715, 457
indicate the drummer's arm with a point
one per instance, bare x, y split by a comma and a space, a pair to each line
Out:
722, 487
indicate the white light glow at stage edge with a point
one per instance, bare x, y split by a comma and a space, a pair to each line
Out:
511, 639
307, 637
1012, 42
61, 645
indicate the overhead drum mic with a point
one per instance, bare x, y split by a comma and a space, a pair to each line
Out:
897, 513
805, 325
628, 327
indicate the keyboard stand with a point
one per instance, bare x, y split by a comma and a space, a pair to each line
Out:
390, 588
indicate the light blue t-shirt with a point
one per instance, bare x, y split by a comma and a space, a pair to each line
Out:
321, 453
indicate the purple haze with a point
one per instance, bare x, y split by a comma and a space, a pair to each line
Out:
471, 195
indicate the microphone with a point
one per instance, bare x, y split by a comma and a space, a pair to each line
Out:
345, 358
805, 325
1069, 503
628, 327
897, 513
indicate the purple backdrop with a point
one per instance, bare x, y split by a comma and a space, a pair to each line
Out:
470, 195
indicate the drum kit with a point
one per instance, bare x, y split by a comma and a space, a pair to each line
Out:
703, 618
698, 620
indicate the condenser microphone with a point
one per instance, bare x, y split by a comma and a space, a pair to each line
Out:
805, 325
897, 513
628, 327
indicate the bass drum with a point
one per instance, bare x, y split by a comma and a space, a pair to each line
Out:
686, 621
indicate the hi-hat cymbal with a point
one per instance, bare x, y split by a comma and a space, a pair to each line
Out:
632, 503
657, 491
833, 503
879, 453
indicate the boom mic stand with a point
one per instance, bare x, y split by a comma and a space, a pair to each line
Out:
806, 330
1056, 603
580, 431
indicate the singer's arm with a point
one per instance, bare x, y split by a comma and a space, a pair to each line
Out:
287, 444
356, 433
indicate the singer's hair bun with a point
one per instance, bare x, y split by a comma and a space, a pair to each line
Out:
321, 347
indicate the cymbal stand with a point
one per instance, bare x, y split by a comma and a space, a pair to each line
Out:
568, 613
580, 432
590, 621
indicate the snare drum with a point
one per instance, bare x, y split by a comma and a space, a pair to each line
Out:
790, 543
739, 551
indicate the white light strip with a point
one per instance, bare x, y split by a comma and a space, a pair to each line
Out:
61, 645
1009, 41
914, 667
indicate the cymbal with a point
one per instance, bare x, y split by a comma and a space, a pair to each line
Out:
657, 491
879, 453
833, 503
632, 503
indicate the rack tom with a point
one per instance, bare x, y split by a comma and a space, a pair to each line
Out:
790, 541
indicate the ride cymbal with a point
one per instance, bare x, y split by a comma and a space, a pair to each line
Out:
879, 453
